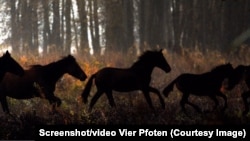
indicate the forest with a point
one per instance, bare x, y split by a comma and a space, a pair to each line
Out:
195, 35
120, 24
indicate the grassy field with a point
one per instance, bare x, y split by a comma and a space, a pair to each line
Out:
131, 108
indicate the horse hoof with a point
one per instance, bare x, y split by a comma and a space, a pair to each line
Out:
199, 110
163, 107
244, 113
89, 110
207, 111
223, 110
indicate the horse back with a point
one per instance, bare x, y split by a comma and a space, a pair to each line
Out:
119, 79
197, 83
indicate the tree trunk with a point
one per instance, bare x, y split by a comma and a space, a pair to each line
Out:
55, 39
14, 28
35, 39
68, 26
83, 25
96, 39
46, 29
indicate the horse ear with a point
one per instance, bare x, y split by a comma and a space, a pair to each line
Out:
70, 55
163, 51
228, 63
7, 53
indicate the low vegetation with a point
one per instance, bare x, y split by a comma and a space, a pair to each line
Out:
132, 108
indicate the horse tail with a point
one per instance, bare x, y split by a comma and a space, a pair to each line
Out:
87, 88
169, 88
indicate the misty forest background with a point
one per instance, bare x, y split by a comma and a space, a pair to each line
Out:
35, 25
197, 35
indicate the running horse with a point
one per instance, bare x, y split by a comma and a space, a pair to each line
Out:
204, 84
39, 81
136, 77
241, 74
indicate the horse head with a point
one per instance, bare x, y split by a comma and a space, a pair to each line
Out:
10, 65
239, 73
74, 69
160, 61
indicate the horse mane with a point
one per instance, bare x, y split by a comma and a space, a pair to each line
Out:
240, 67
62, 59
145, 58
35, 66
219, 67
66, 57
146, 54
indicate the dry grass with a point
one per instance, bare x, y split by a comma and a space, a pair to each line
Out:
131, 107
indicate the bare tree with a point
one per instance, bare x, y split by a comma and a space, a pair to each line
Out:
68, 25
83, 24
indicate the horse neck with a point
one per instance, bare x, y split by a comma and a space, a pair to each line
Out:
218, 76
238, 76
2, 69
2, 73
55, 71
142, 68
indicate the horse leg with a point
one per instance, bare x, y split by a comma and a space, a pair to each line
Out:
194, 106
110, 98
154, 90
244, 96
55, 102
148, 99
225, 99
5, 106
94, 99
213, 97
58, 102
184, 101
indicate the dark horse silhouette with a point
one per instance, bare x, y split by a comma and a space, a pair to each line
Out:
8, 64
39, 81
137, 77
241, 73
206, 84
